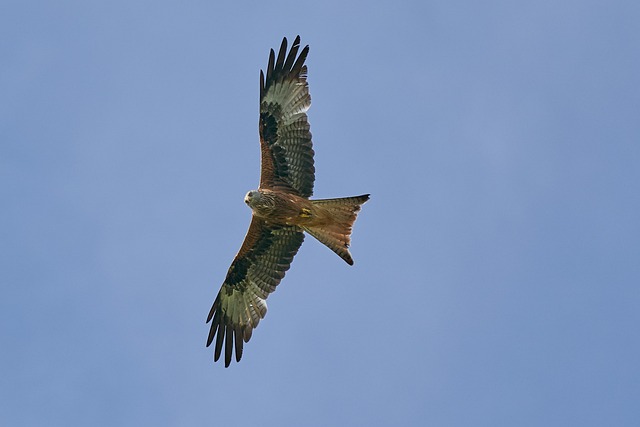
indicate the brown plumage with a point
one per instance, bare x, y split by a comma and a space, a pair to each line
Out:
282, 211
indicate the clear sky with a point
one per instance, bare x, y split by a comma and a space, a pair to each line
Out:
497, 272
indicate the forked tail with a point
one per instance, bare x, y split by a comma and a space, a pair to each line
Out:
332, 223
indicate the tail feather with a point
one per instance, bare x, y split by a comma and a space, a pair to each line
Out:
332, 223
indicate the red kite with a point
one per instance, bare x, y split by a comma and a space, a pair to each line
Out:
282, 211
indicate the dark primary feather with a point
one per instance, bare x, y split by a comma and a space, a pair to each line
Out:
287, 151
261, 263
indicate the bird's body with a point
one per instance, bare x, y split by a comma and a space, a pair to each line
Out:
282, 210
278, 207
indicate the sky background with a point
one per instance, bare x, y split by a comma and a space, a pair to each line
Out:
497, 271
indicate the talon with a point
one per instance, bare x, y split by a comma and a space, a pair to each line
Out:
305, 213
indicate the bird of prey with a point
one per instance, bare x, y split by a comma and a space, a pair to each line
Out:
281, 208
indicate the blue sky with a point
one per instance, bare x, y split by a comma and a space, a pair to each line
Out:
497, 279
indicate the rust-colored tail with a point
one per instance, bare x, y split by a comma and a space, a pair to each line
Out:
333, 221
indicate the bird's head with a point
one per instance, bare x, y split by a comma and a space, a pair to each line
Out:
260, 203
252, 197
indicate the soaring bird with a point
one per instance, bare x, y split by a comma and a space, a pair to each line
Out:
281, 208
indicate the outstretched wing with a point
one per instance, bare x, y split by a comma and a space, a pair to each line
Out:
285, 140
261, 263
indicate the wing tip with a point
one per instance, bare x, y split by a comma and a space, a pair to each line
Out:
227, 336
286, 65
